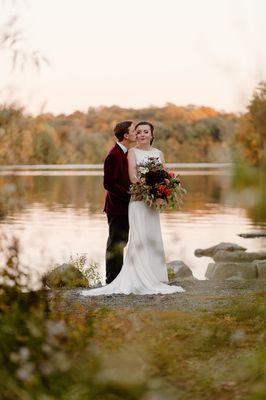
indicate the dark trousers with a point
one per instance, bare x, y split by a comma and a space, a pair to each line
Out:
117, 240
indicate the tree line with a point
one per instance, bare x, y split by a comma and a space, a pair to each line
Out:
184, 134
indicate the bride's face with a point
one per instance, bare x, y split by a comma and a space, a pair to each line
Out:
143, 134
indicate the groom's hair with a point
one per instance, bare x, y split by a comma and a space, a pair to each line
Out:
150, 125
121, 129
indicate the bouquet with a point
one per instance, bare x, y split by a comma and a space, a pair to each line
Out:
157, 187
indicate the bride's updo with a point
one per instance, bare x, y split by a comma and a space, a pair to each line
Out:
150, 125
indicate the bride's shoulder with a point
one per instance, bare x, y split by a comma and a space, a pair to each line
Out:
155, 149
159, 153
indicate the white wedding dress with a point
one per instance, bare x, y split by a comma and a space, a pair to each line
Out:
144, 270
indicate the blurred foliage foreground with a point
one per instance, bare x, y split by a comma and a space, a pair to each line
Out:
95, 353
249, 189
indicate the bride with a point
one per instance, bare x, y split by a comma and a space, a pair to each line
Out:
144, 270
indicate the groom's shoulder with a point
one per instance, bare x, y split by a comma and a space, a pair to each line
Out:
114, 152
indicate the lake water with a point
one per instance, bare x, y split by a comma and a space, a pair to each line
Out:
56, 212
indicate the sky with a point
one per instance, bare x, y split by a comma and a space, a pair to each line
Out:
136, 53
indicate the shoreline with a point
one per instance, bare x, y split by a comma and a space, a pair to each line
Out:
200, 295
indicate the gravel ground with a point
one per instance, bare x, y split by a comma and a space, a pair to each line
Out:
200, 295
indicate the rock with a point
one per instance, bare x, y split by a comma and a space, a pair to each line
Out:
235, 279
252, 235
226, 270
190, 278
238, 336
210, 271
65, 275
260, 266
226, 246
178, 269
238, 256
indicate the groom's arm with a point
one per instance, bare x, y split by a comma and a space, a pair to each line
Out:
111, 171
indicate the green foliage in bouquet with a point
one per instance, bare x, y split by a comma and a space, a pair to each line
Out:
157, 187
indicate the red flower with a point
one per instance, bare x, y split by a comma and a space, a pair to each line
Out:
163, 189
171, 173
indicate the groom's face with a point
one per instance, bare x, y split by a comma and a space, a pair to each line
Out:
131, 135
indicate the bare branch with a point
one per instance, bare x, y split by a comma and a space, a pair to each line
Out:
11, 39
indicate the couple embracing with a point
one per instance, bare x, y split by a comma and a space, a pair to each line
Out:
143, 270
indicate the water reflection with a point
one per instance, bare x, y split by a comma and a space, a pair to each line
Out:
87, 191
56, 216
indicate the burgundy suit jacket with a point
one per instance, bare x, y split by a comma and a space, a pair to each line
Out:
116, 182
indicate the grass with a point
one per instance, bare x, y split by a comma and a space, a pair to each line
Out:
87, 353
133, 354
218, 354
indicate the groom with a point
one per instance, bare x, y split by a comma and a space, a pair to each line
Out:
116, 182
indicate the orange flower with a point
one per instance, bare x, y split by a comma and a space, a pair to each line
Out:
163, 189
167, 191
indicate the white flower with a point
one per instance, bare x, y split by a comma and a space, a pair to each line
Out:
56, 328
143, 170
25, 372
24, 353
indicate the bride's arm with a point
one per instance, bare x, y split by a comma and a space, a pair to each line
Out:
163, 160
132, 167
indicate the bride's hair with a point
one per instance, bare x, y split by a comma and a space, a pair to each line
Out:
150, 125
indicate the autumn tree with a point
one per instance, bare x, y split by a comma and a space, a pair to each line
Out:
250, 138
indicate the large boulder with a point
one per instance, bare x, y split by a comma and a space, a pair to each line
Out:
252, 235
260, 266
177, 269
229, 270
65, 275
225, 246
238, 256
